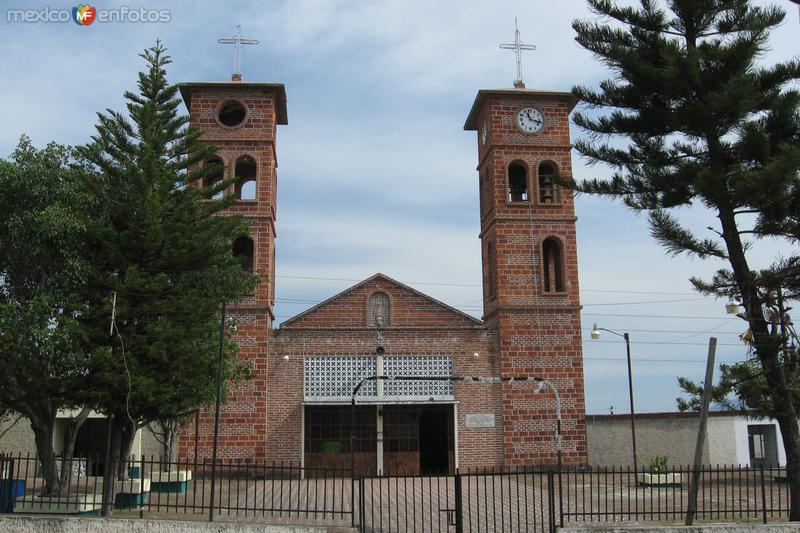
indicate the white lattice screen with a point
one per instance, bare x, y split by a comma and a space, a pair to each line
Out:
333, 378
418, 366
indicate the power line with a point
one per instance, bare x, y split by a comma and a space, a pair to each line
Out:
443, 284
682, 317
314, 302
676, 343
655, 360
675, 331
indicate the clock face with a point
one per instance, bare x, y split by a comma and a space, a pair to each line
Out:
530, 120
484, 133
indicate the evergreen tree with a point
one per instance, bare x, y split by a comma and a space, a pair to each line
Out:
691, 117
162, 262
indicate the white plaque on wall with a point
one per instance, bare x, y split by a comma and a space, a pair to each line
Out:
479, 420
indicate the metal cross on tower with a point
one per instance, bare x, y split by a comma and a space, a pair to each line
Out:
238, 42
518, 46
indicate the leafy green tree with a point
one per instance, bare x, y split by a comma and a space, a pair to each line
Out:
690, 116
162, 263
46, 215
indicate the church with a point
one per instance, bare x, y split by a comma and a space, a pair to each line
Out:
297, 406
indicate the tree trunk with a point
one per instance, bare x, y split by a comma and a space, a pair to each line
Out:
791, 443
128, 434
43, 437
169, 429
112, 458
767, 350
68, 450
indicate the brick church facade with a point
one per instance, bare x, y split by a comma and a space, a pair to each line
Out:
297, 406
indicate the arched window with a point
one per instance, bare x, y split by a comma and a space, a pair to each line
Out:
215, 175
490, 270
243, 251
547, 184
517, 183
246, 172
378, 310
553, 265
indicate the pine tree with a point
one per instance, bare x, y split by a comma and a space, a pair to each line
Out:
691, 117
162, 264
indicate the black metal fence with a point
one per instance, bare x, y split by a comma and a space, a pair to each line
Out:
480, 500
725, 493
530, 500
242, 490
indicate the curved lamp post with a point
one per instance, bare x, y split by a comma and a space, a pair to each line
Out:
596, 335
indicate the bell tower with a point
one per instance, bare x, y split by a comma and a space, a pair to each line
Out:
241, 119
530, 270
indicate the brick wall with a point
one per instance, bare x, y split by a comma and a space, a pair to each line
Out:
419, 326
539, 331
244, 414
526, 330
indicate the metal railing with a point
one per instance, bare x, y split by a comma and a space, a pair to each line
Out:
725, 493
474, 500
524, 499
252, 490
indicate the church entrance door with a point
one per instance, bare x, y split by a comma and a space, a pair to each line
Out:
433, 450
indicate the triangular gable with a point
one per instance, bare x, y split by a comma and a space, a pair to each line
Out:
408, 308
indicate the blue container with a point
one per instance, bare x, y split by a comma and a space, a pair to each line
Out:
171, 486
126, 500
10, 490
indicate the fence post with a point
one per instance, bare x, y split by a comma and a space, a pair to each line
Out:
362, 513
459, 505
763, 497
5, 491
141, 480
551, 502
560, 500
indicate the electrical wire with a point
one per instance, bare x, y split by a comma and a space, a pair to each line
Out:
124, 360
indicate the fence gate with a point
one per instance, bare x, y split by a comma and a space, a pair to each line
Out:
468, 501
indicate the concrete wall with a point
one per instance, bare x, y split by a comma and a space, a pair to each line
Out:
60, 524
19, 438
609, 439
151, 447
724, 448
697, 528
674, 435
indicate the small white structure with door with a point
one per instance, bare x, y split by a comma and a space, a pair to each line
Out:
733, 438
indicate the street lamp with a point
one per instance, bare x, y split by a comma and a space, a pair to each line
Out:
733, 308
596, 335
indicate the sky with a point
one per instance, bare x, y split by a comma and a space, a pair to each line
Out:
376, 173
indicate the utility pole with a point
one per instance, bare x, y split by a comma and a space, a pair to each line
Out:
216, 413
701, 432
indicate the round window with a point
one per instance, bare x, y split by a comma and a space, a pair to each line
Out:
232, 113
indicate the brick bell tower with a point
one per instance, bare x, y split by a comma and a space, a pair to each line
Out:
241, 119
530, 270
